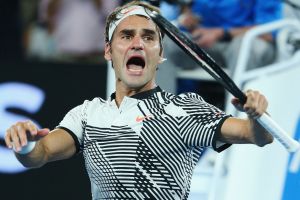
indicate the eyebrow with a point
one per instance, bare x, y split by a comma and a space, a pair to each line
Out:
150, 32
132, 31
127, 31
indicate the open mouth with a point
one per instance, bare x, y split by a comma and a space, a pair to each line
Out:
135, 64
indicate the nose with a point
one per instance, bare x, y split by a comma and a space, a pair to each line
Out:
137, 43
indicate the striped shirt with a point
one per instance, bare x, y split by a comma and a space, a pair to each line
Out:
147, 147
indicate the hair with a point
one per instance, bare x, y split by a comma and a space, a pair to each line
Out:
113, 17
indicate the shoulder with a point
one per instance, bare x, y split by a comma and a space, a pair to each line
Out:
90, 104
187, 95
189, 101
193, 103
95, 101
190, 97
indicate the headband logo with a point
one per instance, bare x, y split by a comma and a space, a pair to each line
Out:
127, 10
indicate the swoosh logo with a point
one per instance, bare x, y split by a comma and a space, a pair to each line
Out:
125, 11
142, 118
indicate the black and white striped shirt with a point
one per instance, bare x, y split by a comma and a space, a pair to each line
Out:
147, 147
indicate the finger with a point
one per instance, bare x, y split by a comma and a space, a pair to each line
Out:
257, 103
21, 132
252, 100
250, 111
15, 139
249, 107
263, 104
201, 41
253, 115
8, 139
235, 101
31, 127
248, 91
237, 104
250, 95
197, 32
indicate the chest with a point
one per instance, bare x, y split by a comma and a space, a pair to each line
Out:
134, 124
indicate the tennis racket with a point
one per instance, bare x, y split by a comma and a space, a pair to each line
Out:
210, 66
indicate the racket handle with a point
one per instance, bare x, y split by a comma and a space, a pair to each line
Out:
274, 129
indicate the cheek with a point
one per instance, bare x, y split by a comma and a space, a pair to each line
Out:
156, 53
118, 54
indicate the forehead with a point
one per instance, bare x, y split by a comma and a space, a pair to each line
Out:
136, 22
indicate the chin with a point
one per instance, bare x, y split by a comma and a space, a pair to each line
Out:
135, 85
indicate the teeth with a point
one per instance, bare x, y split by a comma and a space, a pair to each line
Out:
134, 67
134, 70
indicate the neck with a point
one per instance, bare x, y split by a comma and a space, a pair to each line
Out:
121, 91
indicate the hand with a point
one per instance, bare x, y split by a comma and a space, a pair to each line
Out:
20, 133
189, 20
255, 105
207, 37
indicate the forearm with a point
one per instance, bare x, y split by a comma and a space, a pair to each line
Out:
242, 30
57, 145
36, 158
238, 31
49, 146
244, 131
235, 130
257, 134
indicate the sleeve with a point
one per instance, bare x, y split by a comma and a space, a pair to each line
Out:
268, 11
202, 124
74, 123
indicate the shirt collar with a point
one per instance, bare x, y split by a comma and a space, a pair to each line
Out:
141, 95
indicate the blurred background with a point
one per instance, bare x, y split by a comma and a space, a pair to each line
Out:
51, 59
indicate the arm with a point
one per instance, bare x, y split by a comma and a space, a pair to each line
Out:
50, 146
207, 37
241, 131
242, 30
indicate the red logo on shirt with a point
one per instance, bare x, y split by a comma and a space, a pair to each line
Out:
142, 118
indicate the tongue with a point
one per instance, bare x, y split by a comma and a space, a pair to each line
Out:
134, 67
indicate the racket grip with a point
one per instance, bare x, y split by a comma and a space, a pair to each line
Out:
274, 129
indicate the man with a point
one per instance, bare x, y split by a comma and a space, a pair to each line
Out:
142, 143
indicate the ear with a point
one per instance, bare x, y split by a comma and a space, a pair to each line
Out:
107, 52
161, 59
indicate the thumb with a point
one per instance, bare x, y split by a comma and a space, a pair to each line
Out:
237, 104
42, 133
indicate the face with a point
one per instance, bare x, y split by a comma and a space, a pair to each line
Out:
135, 53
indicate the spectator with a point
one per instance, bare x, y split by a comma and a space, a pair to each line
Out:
218, 26
73, 28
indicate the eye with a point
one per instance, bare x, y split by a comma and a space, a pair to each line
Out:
148, 38
126, 37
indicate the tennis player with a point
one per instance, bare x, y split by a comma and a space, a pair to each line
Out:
142, 142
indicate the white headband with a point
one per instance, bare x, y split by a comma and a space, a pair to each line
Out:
126, 12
